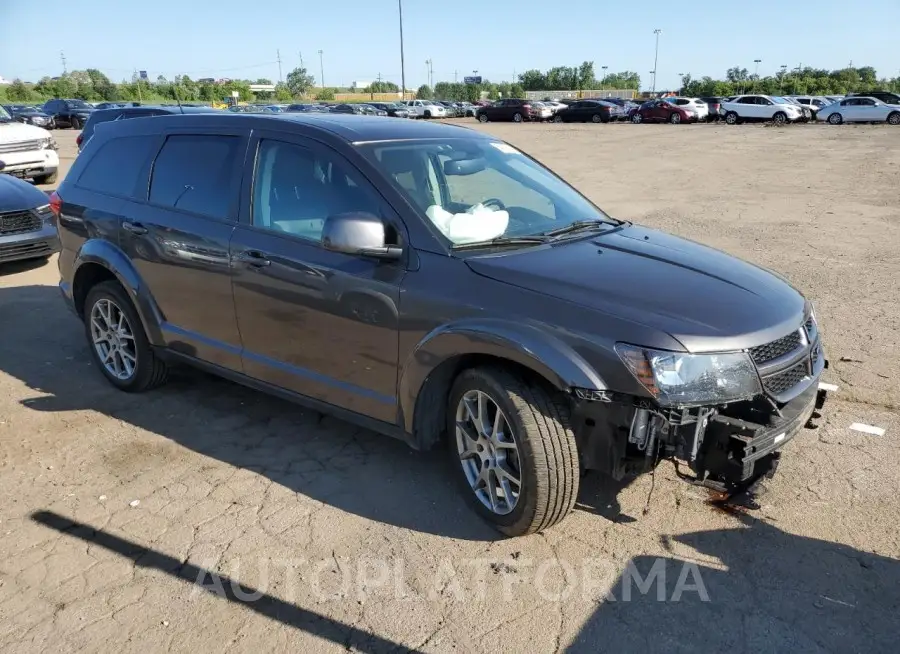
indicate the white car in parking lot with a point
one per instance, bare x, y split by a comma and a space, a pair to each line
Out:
861, 110
749, 108
699, 108
426, 109
27, 150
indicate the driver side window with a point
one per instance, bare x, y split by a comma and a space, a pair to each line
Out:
295, 189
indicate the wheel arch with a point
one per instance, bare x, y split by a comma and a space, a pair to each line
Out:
429, 371
100, 261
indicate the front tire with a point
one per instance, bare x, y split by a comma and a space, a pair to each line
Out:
512, 446
637, 119
118, 344
835, 119
780, 118
482, 118
517, 117
76, 123
597, 118
675, 119
557, 119
731, 118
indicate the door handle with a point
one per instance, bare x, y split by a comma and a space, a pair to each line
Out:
253, 258
134, 228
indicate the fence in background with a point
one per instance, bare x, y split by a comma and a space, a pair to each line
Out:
625, 94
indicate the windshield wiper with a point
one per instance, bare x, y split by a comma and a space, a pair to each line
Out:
582, 226
501, 241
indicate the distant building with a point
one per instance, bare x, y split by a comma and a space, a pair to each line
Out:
4, 81
360, 85
206, 80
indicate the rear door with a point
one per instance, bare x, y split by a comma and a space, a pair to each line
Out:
178, 239
317, 322
850, 110
867, 110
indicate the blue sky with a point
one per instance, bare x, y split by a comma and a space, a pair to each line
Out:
360, 38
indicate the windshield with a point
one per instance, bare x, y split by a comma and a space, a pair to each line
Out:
779, 100
4, 116
476, 189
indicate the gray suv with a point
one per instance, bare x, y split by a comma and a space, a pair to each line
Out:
437, 285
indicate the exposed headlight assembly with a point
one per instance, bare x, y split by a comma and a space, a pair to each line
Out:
48, 143
682, 379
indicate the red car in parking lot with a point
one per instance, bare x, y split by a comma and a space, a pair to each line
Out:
660, 111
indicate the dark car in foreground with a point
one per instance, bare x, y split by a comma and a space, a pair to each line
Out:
435, 284
101, 116
68, 113
660, 111
30, 115
27, 224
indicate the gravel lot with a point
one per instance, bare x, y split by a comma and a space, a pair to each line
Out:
115, 506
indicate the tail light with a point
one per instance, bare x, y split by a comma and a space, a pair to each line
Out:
78, 139
526, 106
55, 203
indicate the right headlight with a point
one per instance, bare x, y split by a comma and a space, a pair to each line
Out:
683, 379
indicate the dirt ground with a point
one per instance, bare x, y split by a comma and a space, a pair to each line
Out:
126, 522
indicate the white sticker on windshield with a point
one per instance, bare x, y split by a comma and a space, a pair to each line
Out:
505, 148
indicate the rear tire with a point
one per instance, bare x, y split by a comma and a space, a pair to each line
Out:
76, 123
482, 118
546, 457
835, 119
637, 119
557, 119
149, 371
597, 118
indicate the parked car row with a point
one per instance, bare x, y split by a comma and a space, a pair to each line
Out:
876, 107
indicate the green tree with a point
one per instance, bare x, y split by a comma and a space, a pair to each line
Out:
533, 80
17, 91
281, 93
382, 87
424, 92
299, 82
516, 91
325, 95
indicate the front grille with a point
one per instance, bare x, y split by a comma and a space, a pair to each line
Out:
769, 351
23, 251
21, 146
786, 379
18, 222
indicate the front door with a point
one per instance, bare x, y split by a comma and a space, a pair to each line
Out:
317, 322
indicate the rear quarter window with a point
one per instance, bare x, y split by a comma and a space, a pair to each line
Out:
116, 167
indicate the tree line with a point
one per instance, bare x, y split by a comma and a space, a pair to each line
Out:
93, 85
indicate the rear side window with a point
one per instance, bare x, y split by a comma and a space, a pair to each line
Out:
116, 167
194, 173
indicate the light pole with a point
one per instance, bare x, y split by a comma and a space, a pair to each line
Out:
681, 76
402, 61
656, 58
783, 71
653, 92
430, 66
322, 68
604, 73
756, 72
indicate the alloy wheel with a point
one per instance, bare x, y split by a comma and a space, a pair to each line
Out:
113, 339
488, 452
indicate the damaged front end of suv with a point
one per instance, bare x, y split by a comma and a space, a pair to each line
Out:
724, 415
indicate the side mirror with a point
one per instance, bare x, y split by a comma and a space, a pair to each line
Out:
358, 233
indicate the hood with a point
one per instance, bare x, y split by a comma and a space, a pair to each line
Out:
19, 195
704, 298
15, 131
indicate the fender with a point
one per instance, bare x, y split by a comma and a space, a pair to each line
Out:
526, 345
111, 257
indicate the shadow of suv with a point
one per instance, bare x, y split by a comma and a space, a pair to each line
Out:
434, 284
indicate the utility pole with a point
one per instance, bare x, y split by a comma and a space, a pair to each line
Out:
322, 68
301, 60
783, 71
137, 80
756, 73
62, 57
656, 58
456, 77
430, 66
402, 61
278, 53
